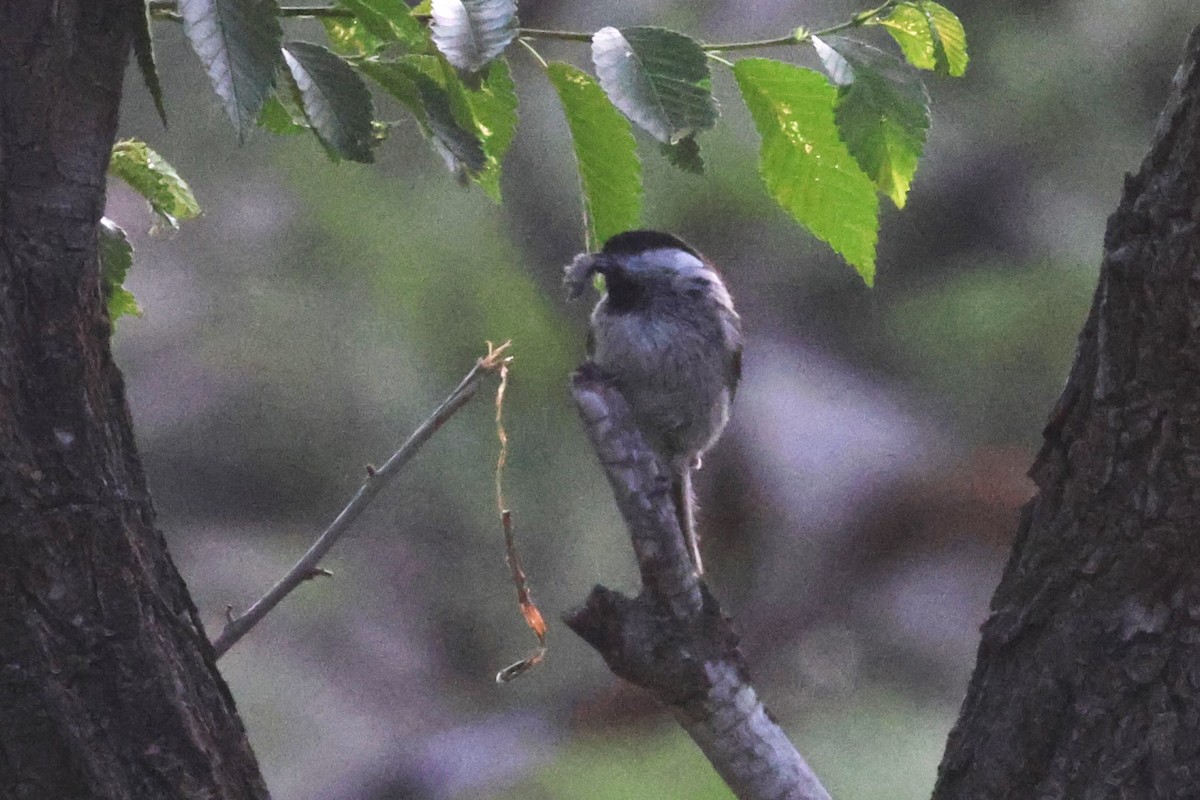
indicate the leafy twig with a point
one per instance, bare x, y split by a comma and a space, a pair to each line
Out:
306, 568
169, 9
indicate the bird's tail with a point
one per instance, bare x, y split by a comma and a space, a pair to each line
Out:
685, 508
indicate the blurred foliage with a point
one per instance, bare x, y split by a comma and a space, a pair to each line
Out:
876, 746
991, 347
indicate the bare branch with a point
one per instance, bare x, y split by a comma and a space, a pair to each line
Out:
377, 477
673, 639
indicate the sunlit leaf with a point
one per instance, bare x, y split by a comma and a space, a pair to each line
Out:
350, 37
388, 21
116, 257
609, 170
470, 33
238, 43
149, 174
803, 161
276, 117
930, 35
882, 112
335, 100
493, 107
658, 78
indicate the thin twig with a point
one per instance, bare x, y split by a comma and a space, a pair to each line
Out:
377, 478
525, 43
170, 8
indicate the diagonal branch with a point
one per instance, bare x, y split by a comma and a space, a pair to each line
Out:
306, 568
673, 639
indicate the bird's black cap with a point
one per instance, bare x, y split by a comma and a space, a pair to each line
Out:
630, 243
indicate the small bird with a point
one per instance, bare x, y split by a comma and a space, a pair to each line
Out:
666, 332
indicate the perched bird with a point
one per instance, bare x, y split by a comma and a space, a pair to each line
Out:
666, 332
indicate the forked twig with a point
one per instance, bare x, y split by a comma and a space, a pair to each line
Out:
673, 639
377, 477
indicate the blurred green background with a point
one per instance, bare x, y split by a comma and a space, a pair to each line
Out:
855, 517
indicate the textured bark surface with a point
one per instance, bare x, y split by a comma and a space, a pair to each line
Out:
107, 683
1088, 677
672, 639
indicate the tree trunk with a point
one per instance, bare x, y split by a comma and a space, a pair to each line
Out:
108, 687
1087, 683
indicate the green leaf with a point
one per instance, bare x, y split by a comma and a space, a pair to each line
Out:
930, 36
659, 78
411, 80
116, 257
238, 43
148, 174
388, 21
143, 48
335, 100
882, 112
606, 152
470, 33
804, 162
494, 111
684, 154
276, 117
350, 37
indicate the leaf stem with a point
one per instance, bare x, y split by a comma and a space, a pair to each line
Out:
858, 20
525, 43
170, 10
563, 36
795, 37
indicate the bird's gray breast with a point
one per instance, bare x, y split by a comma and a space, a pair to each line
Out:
674, 370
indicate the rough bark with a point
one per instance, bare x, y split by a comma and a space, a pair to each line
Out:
1087, 683
673, 639
108, 687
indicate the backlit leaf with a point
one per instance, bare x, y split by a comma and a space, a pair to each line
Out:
493, 107
149, 174
882, 112
278, 118
930, 35
116, 257
605, 150
803, 161
388, 21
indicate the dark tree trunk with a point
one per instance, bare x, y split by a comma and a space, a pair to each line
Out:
108, 687
1088, 678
